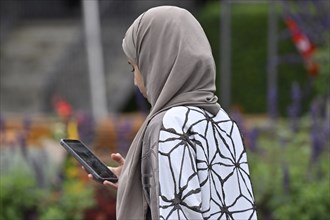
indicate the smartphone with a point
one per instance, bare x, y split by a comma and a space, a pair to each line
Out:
88, 160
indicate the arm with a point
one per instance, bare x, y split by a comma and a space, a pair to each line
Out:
180, 191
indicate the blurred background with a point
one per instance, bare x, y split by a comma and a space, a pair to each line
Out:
63, 74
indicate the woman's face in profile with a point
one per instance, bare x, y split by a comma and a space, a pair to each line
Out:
138, 80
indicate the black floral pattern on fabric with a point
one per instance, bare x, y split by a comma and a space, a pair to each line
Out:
203, 170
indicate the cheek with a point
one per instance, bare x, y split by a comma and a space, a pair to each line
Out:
138, 79
135, 79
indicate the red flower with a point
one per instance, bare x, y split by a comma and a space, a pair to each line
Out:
62, 108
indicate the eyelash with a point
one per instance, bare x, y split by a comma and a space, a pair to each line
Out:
133, 69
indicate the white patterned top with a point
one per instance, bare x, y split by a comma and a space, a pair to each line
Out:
202, 167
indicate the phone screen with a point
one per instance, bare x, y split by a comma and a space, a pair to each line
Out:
87, 156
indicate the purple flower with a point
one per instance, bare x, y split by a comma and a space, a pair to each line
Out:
236, 116
317, 134
2, 124
21, 141
253, 137
294, 109
272, 103
86, 127
26, 124
23, 134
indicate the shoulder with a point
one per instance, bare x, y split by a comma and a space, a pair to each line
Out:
182, 116
170, 118
178, 118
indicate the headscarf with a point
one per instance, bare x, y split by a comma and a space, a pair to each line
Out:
175, 59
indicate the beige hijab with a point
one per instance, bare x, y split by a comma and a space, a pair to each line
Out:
175, 59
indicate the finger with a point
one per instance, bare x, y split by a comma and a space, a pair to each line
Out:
84, 169
110, 184
118, 158
115, 170
90, 176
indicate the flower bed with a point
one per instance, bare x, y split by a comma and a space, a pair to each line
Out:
39, 180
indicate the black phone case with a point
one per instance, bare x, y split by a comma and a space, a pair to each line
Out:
89, 169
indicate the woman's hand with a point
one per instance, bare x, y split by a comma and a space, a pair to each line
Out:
116, 170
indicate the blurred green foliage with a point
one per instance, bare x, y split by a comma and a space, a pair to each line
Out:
73, 198
24, 197
287, 183
249, 56
19, 195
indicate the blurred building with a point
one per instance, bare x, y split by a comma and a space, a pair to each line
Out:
43, 53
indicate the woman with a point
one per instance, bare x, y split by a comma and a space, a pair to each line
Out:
187, 161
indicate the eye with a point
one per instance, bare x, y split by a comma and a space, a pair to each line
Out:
133, 69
